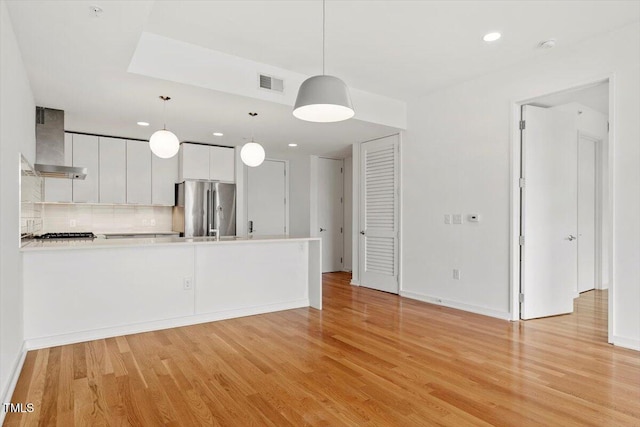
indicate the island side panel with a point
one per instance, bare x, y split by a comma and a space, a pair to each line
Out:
74, 291
251, 278
315, 274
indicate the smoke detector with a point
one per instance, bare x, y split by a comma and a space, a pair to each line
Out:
547, 44
96, 10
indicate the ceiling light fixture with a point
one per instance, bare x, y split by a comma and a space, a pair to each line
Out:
323, 98
252, 153
218, 134
164, 143
491, 37
143, 124
293, 145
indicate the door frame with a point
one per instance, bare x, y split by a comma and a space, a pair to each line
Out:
245, 196
515, 199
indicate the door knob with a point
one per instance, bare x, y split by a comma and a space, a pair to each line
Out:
323, 229
362, 232
571, 237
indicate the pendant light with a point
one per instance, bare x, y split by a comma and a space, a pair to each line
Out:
164, 143
323, 98
252, 153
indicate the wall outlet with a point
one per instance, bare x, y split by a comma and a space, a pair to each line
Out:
145, 222
72, 223
447, 218
188, 283
456, 274
152, 221
457, 218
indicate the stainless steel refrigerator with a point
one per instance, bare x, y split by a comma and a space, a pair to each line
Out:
205, 208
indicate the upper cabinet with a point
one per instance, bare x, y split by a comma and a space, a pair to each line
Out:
164, 175
112, 171
207, 162
194, 161
138, 173
85, 154
222, 164
57, 189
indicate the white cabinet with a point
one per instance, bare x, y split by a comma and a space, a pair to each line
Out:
85, 154
112, 171
222, 164
194, 161
138, 173
207, 162
57, 189
164, 175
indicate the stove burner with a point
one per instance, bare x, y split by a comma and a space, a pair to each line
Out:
78, 235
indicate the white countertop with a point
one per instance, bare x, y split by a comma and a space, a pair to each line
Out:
47, 245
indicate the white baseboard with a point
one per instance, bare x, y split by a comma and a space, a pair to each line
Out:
355, 283
17, 369
631, 343
457, 305
82, 336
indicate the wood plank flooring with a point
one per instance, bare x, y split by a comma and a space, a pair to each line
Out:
368, 359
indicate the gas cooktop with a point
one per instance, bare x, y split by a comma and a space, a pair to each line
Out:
77, 235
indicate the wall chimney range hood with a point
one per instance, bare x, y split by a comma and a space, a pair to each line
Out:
50, 146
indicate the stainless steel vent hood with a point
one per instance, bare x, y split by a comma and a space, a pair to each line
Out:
50, 146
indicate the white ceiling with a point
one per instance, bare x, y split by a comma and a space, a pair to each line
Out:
400, 49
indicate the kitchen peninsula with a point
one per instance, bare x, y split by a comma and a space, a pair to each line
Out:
128, 286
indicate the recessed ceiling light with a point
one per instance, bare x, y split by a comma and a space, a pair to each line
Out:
491, 37
293, 145
143, 124
218, 134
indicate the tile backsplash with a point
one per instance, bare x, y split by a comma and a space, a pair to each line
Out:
31, 193
105, 218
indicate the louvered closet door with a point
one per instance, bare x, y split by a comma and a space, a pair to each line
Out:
379, 214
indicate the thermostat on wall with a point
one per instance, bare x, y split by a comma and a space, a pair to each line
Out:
474, 217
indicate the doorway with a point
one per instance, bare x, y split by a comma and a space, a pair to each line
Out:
267, 199
561, 208
331, 212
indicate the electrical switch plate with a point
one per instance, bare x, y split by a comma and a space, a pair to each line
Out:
152, 221
72, 223
457, 218
447, 219
456, 274
145, 222
188, 283
474, 217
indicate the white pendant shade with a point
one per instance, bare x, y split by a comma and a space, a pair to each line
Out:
252, 154
164, 144
323, 99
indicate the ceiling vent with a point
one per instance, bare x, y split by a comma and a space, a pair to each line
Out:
271, 83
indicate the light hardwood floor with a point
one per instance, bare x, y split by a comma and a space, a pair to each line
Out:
368, 359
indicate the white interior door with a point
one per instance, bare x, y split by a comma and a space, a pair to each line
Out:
330, 213
549, 213
586, 214
379, 214
266, 199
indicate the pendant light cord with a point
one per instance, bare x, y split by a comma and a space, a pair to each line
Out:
324, 7
164, 114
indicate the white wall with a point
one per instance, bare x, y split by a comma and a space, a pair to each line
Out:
456, 159
594, 124
17, 134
